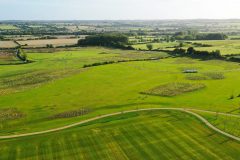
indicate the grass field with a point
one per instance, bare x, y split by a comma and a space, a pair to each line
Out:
227, 47
56, 83
142, 135
163, 45
229, 124
54, 42
55, 90
7, 27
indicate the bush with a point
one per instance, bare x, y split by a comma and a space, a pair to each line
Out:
174, 89
179, 51
149, 47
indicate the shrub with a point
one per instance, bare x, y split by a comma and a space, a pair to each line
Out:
173, 89
149, 47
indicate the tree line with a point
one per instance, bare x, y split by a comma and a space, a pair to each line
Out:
192, 52
191, 35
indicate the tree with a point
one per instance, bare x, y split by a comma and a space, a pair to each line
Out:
181, 44
190, 50
216, 53
149, 47
49, 46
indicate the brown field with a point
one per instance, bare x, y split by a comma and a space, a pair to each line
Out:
7, 44
54, 42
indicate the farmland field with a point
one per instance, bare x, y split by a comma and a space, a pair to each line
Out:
9, 59
36, 89
7, 44
56, 90
142, 135
226, 47
43, 43
7, 27
119, 80
163, 45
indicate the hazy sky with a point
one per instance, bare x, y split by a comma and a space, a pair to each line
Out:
117, 9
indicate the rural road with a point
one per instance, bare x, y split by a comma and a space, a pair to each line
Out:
189, 111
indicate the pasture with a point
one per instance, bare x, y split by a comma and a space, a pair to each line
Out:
161, 46
7, 27
56, 90
226, 47
141, 135
56, 83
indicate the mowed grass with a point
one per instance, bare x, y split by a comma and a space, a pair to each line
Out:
143, 135
108, 88
46, 67
229, 124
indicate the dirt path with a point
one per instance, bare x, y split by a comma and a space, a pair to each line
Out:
189, 111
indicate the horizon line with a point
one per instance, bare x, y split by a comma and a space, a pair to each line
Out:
177, 19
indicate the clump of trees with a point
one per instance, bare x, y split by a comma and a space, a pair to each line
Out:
192, 52
106, 40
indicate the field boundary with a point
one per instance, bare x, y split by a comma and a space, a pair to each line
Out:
185, 110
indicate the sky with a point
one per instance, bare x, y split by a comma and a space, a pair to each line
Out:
118, 9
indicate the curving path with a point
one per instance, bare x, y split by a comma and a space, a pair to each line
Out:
189, 111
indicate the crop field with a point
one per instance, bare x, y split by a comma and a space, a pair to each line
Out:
56, 90
7, 44
7, 27
141, 135
43, 43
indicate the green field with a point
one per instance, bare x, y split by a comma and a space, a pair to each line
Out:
229, 124
226, 47
142, 135
163, 45
56, 90
56, 83
7, 27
